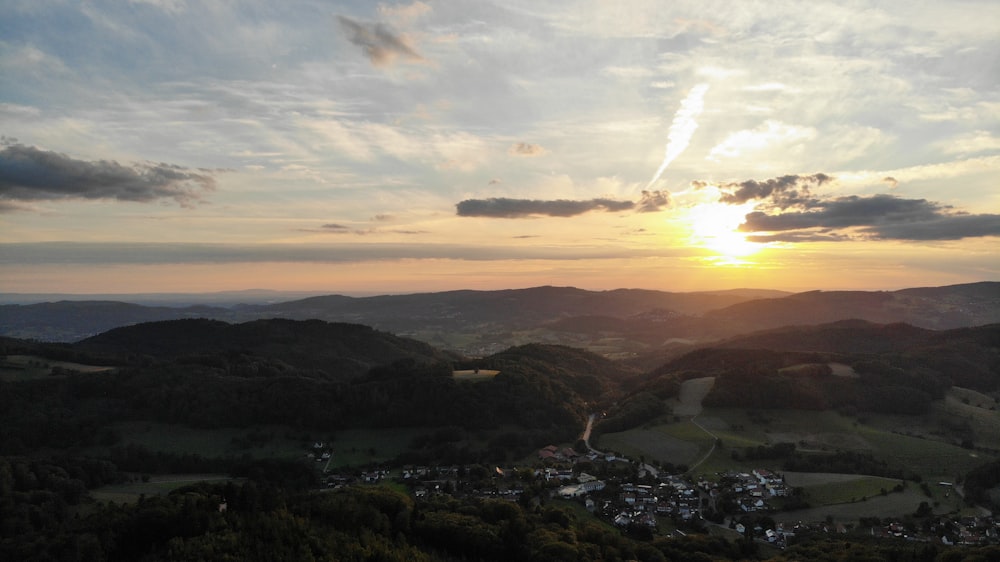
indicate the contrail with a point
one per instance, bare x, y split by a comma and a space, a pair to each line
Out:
682, 128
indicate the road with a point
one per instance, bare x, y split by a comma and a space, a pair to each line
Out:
586, 440
715, 439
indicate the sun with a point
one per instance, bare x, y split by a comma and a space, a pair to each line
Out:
714, 227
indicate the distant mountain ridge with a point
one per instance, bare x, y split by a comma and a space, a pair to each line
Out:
936, 308
484, 322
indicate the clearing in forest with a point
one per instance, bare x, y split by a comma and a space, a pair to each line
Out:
692, 392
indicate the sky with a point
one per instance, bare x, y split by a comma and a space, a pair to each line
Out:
362, 147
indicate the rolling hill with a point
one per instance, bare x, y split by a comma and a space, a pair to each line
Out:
623, 321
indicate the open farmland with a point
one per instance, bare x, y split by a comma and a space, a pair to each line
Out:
692, 393
154, 485
349, 447
474, 375
812, 432
825, 488
889, 505
653, 444
29, 367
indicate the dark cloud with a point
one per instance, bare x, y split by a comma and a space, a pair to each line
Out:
334, 226
788, 210
526, 149
502, 207
783, 191
844, 212
653, 201
872, 217
796, 236
378, 41
942, 227
31, 174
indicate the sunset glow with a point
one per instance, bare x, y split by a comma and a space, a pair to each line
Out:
356, 147
714, 226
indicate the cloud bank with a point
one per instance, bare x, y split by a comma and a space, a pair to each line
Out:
783, 191
788, 210
883, 217
503, 207
506, 208
28, 173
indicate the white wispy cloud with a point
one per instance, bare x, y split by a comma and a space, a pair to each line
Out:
682, 128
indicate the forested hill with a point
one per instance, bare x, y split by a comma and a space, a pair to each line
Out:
844, 365
938, 308
209, 374
341, 351
967, 357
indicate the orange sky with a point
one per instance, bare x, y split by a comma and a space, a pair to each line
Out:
359, 147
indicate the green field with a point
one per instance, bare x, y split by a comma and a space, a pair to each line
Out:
162, 484
852, 490
349, 447
683, 442
29, 367
653, 444
477, 375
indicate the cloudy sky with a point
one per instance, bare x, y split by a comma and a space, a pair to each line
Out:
174, 145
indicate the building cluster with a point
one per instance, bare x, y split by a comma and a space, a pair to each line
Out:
964, 531
750, 490
655, 497
642, 504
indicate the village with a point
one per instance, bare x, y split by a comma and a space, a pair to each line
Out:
639, 499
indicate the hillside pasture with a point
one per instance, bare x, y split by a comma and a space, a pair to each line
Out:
258, 442
889, 505
828, 431
825, 488
29, 367
130, 492
692, 392
963, 406
842, 370
474, 375
653, 444
349, 447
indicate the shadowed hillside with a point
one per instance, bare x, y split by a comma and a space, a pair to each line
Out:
341, 351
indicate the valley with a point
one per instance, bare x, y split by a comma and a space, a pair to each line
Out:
865, 424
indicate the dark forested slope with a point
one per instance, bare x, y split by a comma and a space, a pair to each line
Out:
341, 351
307, 374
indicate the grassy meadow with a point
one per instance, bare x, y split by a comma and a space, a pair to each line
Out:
129, 492
680, 441
350, 447
29, 367
473, 375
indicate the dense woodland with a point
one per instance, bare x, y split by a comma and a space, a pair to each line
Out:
58, 438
